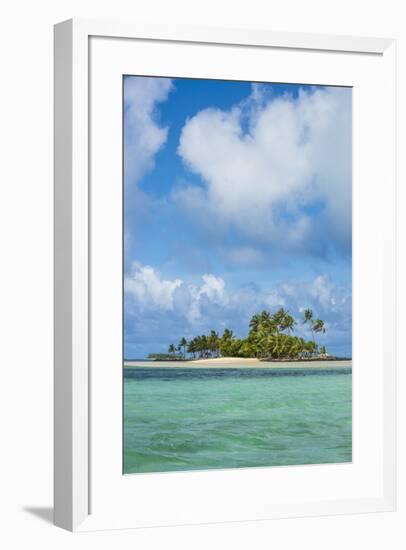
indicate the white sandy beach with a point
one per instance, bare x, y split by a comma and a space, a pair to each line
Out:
225, 361
238, 362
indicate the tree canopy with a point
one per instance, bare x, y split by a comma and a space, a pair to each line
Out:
270, 337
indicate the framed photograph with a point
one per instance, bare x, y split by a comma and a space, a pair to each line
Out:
224, 275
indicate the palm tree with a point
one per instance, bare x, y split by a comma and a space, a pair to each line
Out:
262, 341
276, 345
225, 342
172, 349
192, 347
288, 322
262, 320
307, 315
286, 345
295, 347
308, 318
202, 345
283, 320
302, 344
183, 344
199, 345
213, 342
318, 326
265, 317
255, 322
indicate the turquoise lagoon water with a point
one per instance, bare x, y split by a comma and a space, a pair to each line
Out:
178, 419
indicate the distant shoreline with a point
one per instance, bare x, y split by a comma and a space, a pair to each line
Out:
238, 362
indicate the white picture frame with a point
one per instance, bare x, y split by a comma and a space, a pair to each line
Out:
79, 482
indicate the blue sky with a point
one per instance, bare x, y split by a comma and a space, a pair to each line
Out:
237, 198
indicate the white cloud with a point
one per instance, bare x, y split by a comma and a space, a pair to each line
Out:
265, 161
322, 290
212, 291
149, 290
143, 134
213, 287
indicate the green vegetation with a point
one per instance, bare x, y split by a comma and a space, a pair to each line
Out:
270, 337
182, 346
172, 350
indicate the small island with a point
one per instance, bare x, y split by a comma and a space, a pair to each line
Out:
270, 338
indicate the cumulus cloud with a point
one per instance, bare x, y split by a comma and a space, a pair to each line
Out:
143, 134
160, 310
276, 169
149, 290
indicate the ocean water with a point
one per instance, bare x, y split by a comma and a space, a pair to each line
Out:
178, 419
